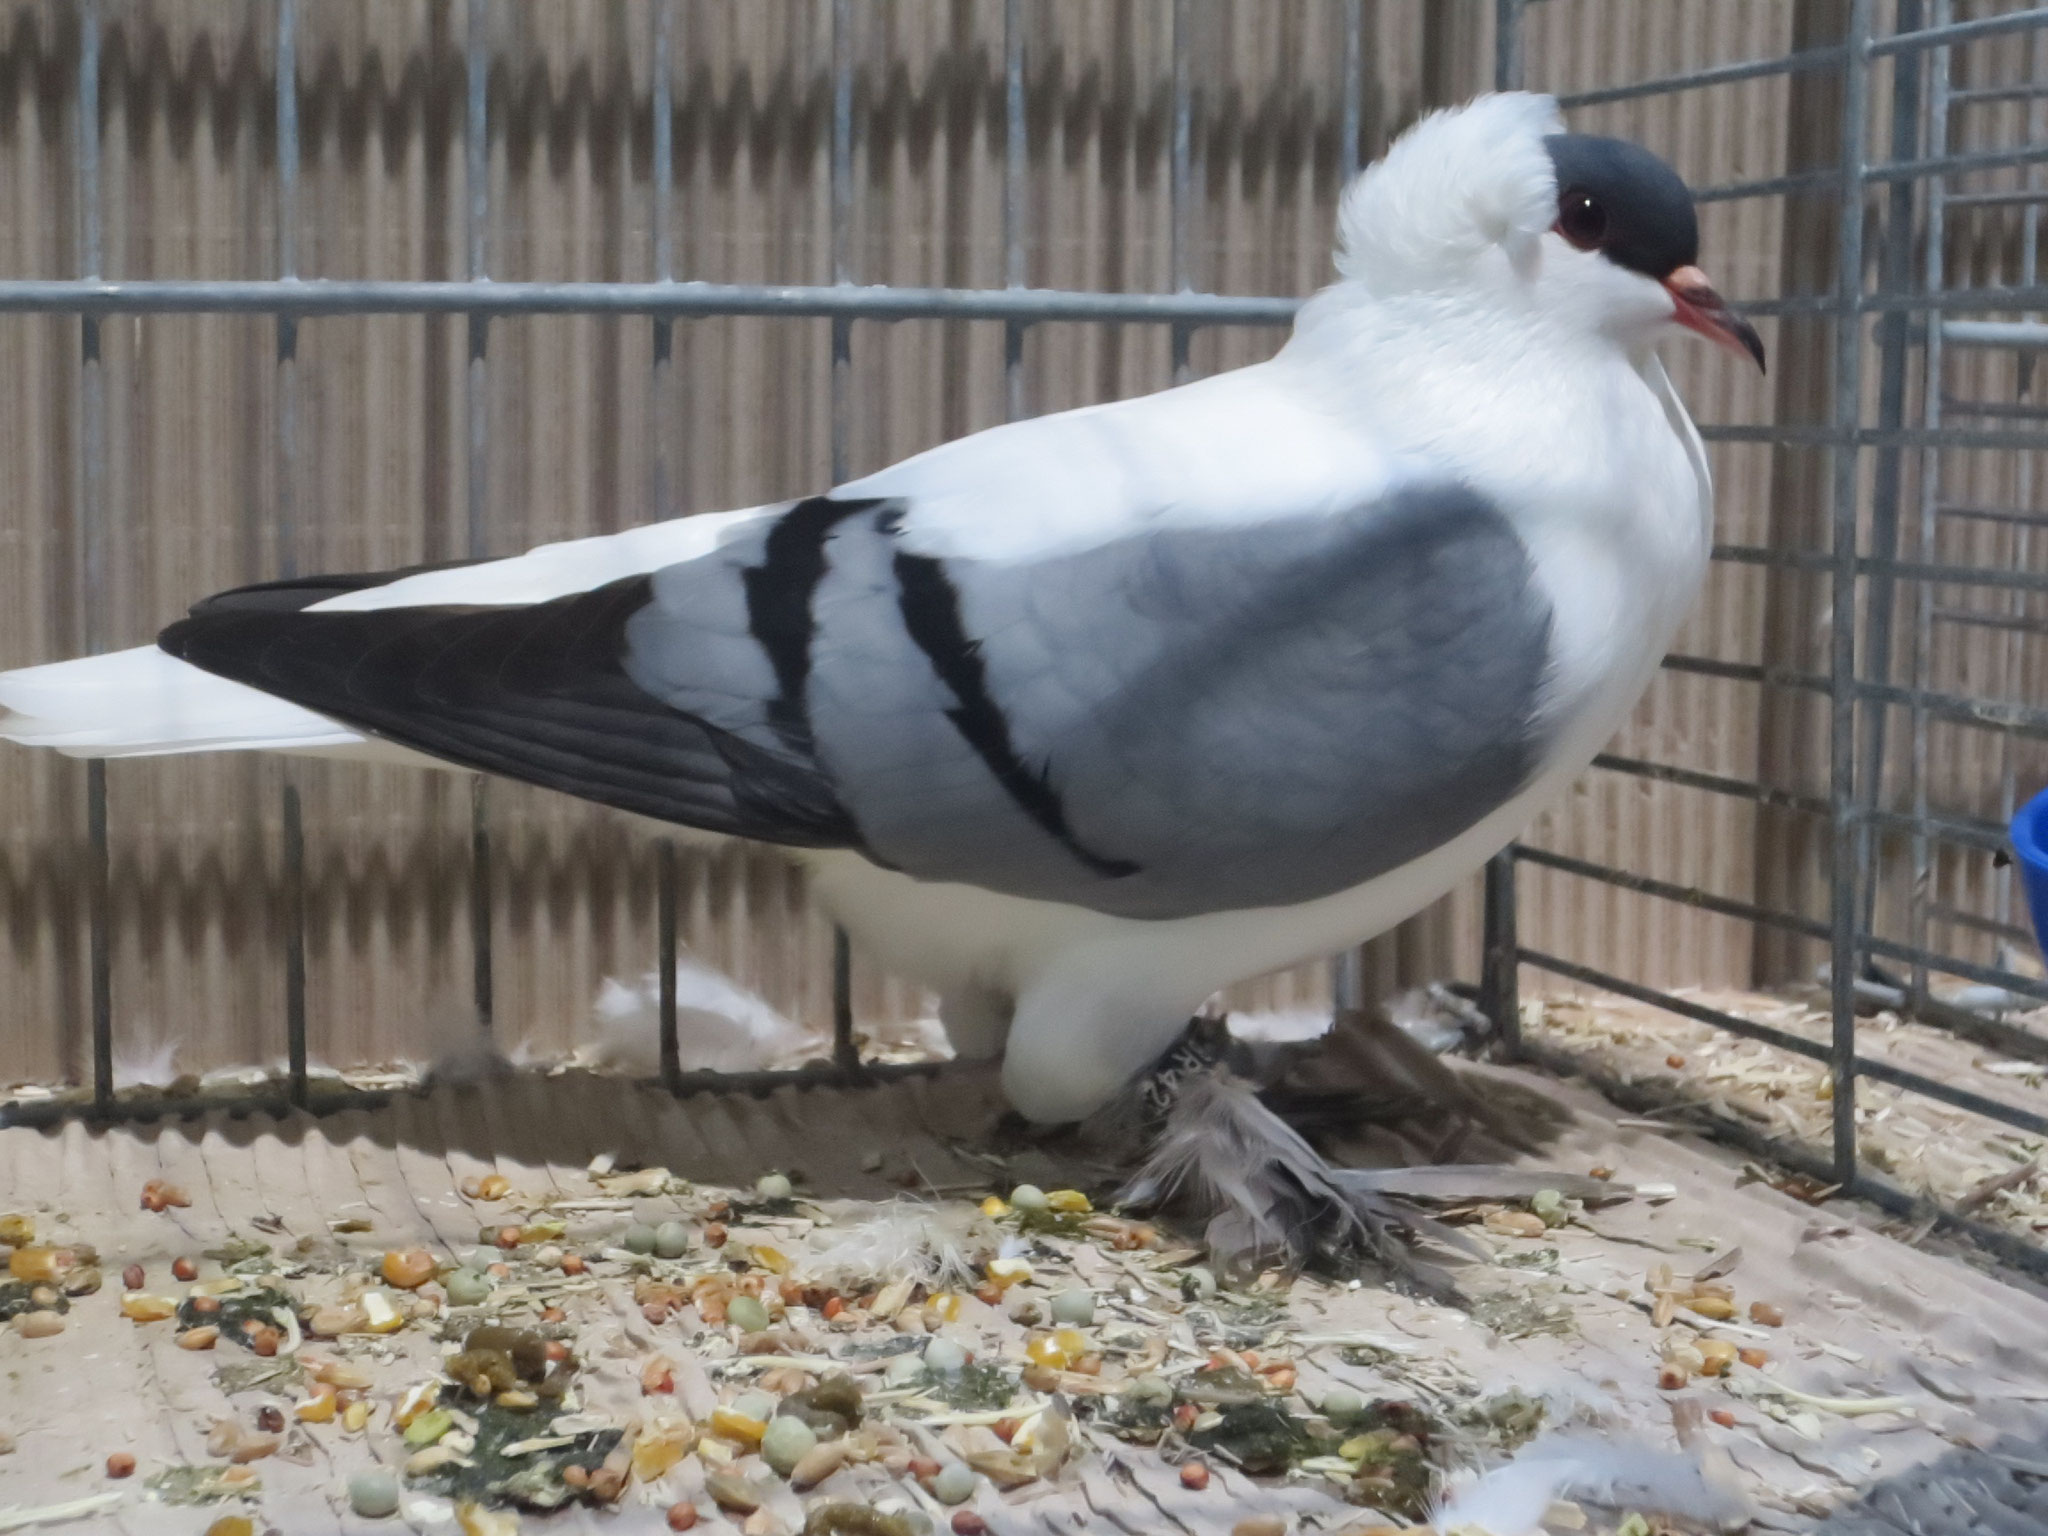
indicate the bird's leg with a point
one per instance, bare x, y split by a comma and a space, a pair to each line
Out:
1202, 1047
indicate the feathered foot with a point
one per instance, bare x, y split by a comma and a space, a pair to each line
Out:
1220, 1148
1269, 1196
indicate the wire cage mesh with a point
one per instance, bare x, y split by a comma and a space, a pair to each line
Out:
704, 224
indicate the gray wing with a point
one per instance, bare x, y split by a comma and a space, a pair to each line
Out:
1181, 721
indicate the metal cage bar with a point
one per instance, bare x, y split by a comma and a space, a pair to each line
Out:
1860, 693
1920, 311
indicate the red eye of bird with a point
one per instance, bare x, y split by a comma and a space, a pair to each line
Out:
1581, 219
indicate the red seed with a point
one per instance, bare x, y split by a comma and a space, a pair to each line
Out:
270, 1420
264, 1341
133, 1278
205, 1305
682, 1517
714, 1235
1194, 1476
120, 1464
923, 1468
1006, 1429
1723, 1417
556, 1351
575, 1476
572, 1264
508, 1237
967, 1523
1674, 1061
552, 1314
834, 1305
184, 1269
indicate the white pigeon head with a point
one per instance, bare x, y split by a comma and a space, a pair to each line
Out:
1494, 204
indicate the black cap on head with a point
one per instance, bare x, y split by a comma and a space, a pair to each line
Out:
1618, 198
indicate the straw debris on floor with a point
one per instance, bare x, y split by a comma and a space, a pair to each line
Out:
573, 1303
1988, 1170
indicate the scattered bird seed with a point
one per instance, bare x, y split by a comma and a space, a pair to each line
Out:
954, 1483
373, 1494
945, 1357
787, 1442
1075, 1308
120, 1464
671, 1240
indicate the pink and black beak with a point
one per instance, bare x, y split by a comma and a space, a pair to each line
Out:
1703, 310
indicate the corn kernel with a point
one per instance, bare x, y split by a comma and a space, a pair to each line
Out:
355, 1416
737, 1426
946, 1304
774, 1260
1057, 1350
416, 1401
140, 1307
1071, 1200
380, 1313
408, 1268
1004, 1273
37, 1266
316, 1410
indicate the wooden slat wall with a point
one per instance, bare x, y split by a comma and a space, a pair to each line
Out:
189, 152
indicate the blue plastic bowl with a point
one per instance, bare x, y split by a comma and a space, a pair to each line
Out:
2030, 844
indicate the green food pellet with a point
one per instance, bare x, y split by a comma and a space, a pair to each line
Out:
1074, 1308
760, 1406
787, 1442
1341, 1405
774, 1186
428, 1427
1150, 1389
639, 1238
945, 1356
671, 1240
746, 1314
954, 1484
467, 1288
373, 1495
1030, 1199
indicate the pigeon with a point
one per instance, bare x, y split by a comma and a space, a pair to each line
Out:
1079, 719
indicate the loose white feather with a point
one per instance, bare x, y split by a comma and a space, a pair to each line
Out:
721, 1026
932, 1244
1511, 1500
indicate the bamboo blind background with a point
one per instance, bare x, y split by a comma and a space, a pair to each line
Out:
188, 145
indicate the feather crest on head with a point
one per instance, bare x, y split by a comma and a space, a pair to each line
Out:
1454, 186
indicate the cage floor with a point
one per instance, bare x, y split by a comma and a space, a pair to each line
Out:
1964, 1351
